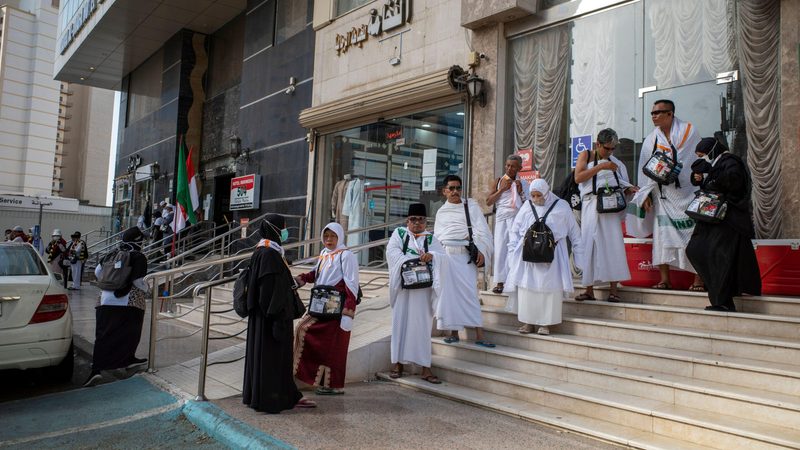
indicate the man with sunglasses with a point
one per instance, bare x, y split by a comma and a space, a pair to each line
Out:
459, 223
672, 228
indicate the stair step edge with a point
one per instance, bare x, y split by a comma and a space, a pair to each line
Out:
730, 425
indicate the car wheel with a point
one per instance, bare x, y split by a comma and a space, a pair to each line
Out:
63, 371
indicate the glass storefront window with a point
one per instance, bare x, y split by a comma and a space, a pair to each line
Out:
386, 166
577, 78
344, 6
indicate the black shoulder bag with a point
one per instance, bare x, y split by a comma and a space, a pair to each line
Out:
609, 199
415, 274
472, 249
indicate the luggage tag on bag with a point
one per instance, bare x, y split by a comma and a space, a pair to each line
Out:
118, 265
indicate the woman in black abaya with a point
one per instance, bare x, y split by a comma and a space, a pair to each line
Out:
722, 253
120, 316
272, 306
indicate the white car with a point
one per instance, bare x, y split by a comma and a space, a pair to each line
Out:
35, 318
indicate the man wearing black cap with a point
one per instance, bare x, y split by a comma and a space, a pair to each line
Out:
76, 254
414, 256
722, 253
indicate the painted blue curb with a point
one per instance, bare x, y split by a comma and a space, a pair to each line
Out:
227, 430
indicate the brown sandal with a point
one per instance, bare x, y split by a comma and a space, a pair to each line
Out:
498, 289
583, 297
697, 288
662, 286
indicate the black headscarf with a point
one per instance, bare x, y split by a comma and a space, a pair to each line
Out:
271, 227
132, 238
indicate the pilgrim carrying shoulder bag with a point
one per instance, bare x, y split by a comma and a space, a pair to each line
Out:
471, 247
415, 274
610, 199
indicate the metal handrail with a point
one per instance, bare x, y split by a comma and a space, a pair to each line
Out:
106, 239
222, 237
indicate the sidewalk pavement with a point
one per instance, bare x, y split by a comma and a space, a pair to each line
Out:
372, 414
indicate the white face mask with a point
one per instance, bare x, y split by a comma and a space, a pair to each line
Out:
706, 158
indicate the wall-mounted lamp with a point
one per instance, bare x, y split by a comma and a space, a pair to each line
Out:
236, 150
460, 80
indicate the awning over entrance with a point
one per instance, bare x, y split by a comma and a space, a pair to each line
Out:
423, 92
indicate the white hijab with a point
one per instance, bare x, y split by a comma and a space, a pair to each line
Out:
540, 185
337, 264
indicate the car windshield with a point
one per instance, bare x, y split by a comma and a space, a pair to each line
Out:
17, 260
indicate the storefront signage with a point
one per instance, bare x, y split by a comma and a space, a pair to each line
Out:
392, 14
245, 192
580, 144
394, 134
85, 11
51, 203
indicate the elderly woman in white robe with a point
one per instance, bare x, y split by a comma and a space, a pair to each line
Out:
412, 309
604, 246
542, 287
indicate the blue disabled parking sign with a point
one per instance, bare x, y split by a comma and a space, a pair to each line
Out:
580, 144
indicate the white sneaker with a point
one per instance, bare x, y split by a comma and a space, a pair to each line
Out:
93, 380
543, 331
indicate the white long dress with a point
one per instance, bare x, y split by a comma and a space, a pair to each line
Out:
458, 305
601, 234
507, 206
541, 287
673, 228
412, 309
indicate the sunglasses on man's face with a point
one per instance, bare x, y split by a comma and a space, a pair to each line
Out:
659, 111
453, 188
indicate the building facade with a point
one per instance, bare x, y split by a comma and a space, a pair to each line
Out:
28, 97
83, 139
205, 73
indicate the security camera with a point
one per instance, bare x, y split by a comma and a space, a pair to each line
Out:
482, 56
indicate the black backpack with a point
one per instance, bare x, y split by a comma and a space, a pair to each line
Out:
240, 292
570, 191
540, 244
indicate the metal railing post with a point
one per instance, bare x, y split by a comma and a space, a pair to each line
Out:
154, 309
201, 381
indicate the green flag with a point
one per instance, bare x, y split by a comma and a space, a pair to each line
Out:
184, 211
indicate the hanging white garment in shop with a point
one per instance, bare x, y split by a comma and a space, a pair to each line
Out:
353, 208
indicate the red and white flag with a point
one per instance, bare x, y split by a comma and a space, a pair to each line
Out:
192, 181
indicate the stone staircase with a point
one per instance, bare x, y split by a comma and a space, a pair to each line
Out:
656, 371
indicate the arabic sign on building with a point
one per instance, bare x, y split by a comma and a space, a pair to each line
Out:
82, 15
392, 14
245, 192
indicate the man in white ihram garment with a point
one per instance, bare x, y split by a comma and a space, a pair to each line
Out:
601, 234
542, 287
458, 305
412, 305
673, 228
508, 193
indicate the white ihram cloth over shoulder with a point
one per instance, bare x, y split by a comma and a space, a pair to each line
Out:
673, 228
601, 234
412, 309
458, 305
507, 206
543, 286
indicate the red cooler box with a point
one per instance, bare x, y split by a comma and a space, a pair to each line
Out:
779, 264
643, 273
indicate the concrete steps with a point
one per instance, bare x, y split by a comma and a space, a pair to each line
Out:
657, 371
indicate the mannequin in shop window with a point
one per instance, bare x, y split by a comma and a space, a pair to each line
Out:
353, 208
337, 201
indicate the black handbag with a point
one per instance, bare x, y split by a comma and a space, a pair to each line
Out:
326, 303
472, 249
709, 207
610, 199
662, 168
415, 274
